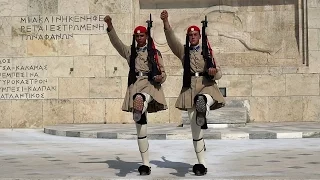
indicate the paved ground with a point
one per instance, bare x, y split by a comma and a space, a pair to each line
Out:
32, 154
171, 131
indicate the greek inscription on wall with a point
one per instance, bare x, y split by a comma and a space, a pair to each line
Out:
23, 81
59, 27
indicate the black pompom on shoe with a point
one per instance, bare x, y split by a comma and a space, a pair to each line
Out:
199, 170
144, 170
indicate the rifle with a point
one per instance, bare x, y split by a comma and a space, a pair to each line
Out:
205, 49
186, 65
152, 53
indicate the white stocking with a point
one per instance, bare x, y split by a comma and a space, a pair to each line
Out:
210, 102
143, 143
197, 135
146, 102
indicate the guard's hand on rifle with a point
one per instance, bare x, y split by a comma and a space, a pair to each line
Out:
164, 15
212, 71
158, 78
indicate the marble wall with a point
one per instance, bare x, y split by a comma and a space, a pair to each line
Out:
57, 64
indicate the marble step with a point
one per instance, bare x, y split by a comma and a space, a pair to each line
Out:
225, 115
228, 115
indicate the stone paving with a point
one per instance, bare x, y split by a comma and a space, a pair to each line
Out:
32, 154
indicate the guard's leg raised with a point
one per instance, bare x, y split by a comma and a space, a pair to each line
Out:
140, 105
198, 143
203, 103
143, 148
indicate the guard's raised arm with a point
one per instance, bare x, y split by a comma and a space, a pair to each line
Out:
175, 45
122, 49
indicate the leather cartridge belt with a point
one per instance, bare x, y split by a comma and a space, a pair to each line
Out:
142, 73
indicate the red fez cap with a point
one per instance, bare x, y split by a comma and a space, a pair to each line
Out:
193, 28
140, 29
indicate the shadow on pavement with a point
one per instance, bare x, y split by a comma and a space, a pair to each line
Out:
124, 166
181, 168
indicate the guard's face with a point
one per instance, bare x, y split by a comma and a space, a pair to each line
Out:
141, 39
194, 37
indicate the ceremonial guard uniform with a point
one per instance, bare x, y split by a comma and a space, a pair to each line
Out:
200, 92
144, 92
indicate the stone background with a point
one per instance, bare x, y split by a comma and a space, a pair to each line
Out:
62, 70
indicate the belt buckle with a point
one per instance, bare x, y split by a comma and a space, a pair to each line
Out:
196, 74
140, 73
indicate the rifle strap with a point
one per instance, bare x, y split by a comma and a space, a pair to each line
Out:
156, 58
211, 52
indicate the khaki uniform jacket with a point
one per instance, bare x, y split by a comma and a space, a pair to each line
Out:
142, 85
199, 85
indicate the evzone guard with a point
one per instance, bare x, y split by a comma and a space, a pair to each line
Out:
199, 93
146, 75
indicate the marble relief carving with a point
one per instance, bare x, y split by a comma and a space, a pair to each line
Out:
233, 31
110, 6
